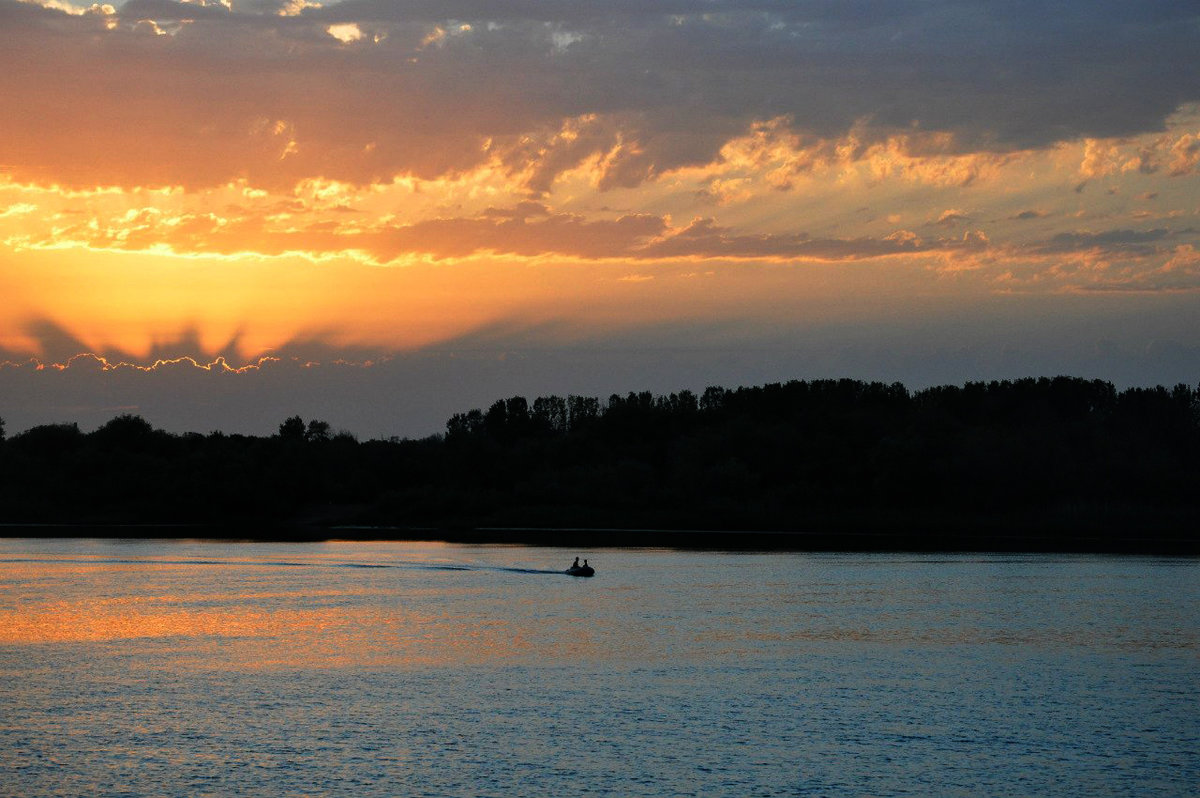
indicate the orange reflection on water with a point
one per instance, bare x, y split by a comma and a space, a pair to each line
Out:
263, 637
359, 626
119, 620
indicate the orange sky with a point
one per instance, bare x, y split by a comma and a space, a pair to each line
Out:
235, 179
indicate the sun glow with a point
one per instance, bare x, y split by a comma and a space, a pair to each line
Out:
573, 220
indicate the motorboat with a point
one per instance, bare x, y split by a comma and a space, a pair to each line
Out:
581, 570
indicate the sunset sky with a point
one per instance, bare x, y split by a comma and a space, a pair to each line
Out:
382, 212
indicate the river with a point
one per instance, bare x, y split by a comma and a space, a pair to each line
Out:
189, 668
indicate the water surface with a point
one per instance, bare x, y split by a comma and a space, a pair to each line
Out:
215, 668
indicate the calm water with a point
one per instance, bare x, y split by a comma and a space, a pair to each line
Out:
196, 668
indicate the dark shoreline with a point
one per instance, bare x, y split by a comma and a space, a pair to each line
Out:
1033, 465
941, 541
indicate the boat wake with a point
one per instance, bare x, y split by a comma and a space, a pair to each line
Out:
401, 565
453, 567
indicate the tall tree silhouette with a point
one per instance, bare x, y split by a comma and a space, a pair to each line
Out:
292, 429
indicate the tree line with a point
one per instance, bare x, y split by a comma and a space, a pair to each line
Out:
1055, 456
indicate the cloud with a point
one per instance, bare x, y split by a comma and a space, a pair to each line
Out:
1179, 274
528, 229
784, 154
1158, 260
951, 217
1099, 159
1179, 153
263, 91
1138, 242
703, 238
1185, 155
345, 32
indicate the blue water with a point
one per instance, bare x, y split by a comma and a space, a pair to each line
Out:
364, 669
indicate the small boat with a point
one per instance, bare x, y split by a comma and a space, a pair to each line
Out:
580, 570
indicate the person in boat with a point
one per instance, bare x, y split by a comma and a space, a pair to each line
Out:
576, 563
585, 565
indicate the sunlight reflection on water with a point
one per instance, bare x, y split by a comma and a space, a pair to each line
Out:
190, 668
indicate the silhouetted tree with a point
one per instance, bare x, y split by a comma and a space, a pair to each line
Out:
465, 424
581, 410
126, 432
1058, 454
292, 429
550, 413
50, 440
712, 399
496, 418
317, 431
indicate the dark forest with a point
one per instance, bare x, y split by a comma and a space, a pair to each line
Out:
1039, 464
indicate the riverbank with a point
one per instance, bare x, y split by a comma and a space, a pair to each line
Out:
928, 541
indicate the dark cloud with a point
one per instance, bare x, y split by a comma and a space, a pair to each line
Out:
1132, 242
272, 99
168, 10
